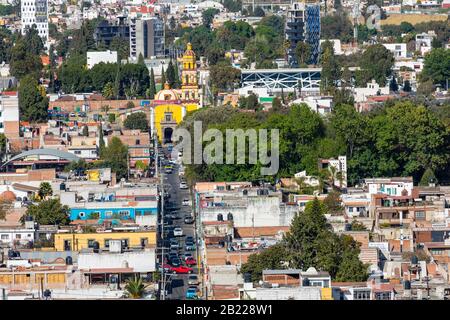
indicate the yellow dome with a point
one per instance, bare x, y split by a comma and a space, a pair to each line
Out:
166, 94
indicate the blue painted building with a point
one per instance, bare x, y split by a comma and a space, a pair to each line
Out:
114, 210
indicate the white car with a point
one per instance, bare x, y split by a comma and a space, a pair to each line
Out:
193, 280
183, 185
178, 232
185, 202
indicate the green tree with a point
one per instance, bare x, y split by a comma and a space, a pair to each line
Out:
224, 77
33, 104
259, 12
351, 268
108, 91
170, 74
3, 144
375, 63
25, 59
357, 226
214, 53
393, 86
163, 76
136, 121
208, 16
436, 67
428, 177
303, 53
115, 156
45, 190
152, 87
406, 86
271, 258
331, 69
333, 203
101, 140
135, 288
49, 212
85, 132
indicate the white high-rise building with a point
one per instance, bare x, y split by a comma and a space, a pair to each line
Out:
35, 12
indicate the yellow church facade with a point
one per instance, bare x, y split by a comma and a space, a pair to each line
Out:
170, 106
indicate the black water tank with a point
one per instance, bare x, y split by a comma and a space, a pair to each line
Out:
69, 260
62, 186
28, 218
247, 277
407, 285
414, 259
96, 246
306, 282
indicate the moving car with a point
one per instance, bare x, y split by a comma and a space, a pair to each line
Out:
181, 270
175, 262
188, 219
193, 280
183, 185
174, 245
191, 293
191, 261
187, 255
178, 232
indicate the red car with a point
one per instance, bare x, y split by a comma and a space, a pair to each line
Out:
181, 269
191, 262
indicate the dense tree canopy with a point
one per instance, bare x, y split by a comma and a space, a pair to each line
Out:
115, 157
137, 121
33, 103
375, 63
399, 139
437, 67
49, 212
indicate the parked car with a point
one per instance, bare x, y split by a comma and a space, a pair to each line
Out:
181, 270
193, 280
189, 246
188, 219
178, 232
185, 202
191, 261
191, 293
190, 239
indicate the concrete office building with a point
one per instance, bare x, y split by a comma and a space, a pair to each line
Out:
303, 24
35, 12
146, 38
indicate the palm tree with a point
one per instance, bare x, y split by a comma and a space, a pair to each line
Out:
45, 190
135, 288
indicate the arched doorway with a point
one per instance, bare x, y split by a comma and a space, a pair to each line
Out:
167, 136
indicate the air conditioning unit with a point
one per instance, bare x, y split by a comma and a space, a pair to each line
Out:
115, 246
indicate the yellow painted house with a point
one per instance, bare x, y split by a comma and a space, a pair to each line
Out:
170, 106
79, 241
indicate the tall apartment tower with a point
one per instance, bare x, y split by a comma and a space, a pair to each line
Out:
35, 12
303, 24
146, 37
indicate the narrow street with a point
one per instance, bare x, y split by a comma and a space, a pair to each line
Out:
177, 284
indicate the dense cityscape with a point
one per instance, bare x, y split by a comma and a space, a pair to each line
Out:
224, 150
